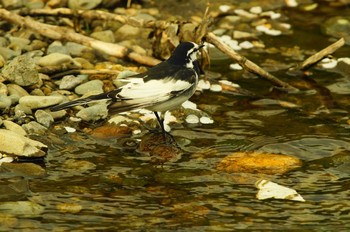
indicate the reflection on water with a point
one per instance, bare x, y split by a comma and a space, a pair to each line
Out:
109, 185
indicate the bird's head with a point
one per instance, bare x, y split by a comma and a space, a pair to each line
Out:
185, 54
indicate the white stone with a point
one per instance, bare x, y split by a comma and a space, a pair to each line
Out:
216, 88
206, 120
269, 189
189, 105
192, 119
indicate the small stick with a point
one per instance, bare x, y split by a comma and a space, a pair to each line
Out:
321, 54
245, 63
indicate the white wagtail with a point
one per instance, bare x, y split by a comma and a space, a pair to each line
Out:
163, 87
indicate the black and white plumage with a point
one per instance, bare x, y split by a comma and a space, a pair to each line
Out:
161, 88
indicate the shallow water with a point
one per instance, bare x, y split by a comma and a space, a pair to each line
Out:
125, 190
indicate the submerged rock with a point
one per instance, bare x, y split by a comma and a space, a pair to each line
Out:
256, 162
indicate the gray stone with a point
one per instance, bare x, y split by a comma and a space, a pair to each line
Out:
34, 128
16, 144
83, 4
56, 59
44, 118
22, 71
57, 47
106, 36
70, 81
93, 113
76, 49
9, 125
94, 85
36, 102
5, 101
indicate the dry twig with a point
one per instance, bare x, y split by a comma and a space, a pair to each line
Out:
321, 54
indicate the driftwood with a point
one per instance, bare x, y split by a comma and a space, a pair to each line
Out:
59, 33
312, 60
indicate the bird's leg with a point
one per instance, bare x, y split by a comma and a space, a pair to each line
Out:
161, 124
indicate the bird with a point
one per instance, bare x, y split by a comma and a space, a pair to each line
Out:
163, 87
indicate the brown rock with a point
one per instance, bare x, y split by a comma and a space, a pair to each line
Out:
257, 162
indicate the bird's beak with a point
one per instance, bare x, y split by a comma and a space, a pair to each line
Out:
200, 46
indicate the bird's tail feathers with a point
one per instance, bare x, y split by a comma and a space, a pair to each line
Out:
79, 102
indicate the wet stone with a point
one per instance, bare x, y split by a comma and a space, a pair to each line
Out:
23, 145
22, 71
24, 169
34, 128
44, 118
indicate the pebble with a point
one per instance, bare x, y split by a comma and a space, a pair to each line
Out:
255, 10
17, 43
203, 84
93, 113
79, 165
5, 101
70, 129
2, 61
44, 118
83, 4
206, 120
22, 71
94, 85
55, 59
57, 47
126, 32
69, 82
192, 119
235, 67
246, 45
22, 111
189, 105
106, 36
216, 88
76, 49
14, 89
36, 102
22, 146
8, 54
34, 128
224, 8
9, 125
